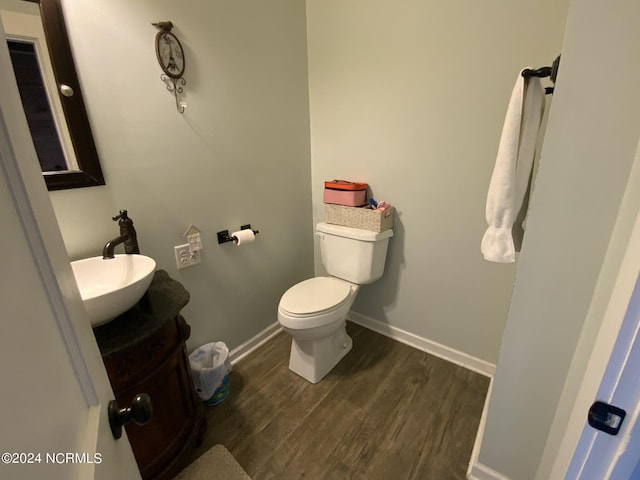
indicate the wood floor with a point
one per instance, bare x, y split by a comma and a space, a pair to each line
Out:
386, 411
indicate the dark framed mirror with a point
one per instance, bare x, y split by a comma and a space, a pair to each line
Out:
55, 106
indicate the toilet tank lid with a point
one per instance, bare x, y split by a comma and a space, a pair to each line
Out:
355, 233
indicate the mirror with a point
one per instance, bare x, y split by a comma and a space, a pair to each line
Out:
50, 92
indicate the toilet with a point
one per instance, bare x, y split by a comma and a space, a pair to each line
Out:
313, 311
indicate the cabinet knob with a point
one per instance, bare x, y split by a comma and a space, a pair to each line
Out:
140, 412
185, 331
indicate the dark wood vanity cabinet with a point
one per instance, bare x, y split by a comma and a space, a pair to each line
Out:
154, 360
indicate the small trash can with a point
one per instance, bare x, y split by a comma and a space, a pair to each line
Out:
210, 369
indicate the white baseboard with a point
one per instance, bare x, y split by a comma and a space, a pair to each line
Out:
476, 470
446, 353
482, 472
250, 345
423, 344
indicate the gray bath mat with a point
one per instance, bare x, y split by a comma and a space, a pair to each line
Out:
215, 464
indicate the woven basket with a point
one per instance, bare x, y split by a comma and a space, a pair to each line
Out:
358, 217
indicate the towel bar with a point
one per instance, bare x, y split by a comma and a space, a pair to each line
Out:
543, 72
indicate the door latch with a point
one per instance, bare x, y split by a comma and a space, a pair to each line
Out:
605, 417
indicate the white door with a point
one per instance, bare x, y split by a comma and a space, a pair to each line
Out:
604, 456
55, 391
611, 375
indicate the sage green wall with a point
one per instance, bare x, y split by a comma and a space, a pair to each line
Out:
410, 97
239, 154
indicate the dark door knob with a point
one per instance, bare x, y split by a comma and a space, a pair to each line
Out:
140, 412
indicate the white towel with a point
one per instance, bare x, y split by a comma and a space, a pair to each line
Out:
511, 173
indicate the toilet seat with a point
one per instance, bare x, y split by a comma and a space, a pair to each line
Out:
315, 296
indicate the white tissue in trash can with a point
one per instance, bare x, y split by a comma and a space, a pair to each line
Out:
209, 364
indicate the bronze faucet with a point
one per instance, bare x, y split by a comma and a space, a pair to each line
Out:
127, 236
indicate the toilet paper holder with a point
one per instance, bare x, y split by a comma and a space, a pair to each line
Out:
224, 237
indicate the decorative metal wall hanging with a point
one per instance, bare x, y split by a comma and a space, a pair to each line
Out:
171, 59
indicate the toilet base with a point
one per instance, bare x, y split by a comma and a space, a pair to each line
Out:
312, 359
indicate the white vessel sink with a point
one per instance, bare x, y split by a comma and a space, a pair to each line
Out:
111, 287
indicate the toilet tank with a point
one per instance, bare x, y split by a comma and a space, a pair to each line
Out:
352, 254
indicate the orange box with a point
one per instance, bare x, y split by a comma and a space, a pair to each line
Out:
342, 192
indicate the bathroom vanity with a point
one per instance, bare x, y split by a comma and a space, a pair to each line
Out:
144, 352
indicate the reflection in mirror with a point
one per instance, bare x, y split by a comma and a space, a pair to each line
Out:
42, 124
50, 92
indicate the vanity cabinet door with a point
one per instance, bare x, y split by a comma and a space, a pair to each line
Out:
159, 367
